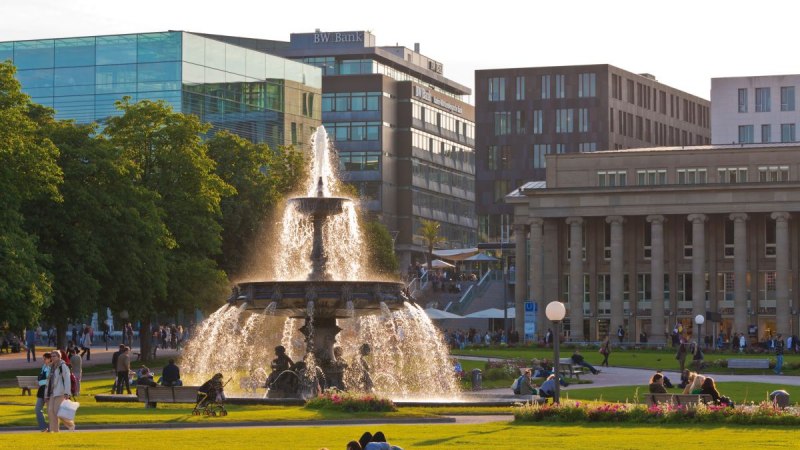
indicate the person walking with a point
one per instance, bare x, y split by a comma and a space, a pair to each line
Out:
680, 355
123, 369
58, 390
86, 343
779, 346
76, 367
30, 343
605, 350
39, 408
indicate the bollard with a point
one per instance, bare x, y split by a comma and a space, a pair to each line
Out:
779, 398
477, 377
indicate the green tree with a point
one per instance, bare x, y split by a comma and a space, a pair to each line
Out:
260, 177
430, 233
28, 170
382, 256
169, 158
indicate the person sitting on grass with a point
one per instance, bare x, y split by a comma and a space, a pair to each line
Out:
377, 441
145, 377
710, 388
657, 384
171, 375
577, 358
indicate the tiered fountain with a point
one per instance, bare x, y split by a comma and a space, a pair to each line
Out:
320, 299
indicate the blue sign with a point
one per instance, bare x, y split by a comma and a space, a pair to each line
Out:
530, 320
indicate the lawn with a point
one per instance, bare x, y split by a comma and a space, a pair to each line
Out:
490, 436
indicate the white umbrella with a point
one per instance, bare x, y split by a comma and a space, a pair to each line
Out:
439, 264
491, 313
438, 314
481, 257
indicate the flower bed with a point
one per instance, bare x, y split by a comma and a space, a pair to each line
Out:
764, 413
335, 400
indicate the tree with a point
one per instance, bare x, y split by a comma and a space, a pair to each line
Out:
430, 233
260, 177
28, 170
169, 159
383, 259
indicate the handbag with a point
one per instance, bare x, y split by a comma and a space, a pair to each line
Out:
67, 409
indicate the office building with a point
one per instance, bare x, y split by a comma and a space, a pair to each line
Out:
748, 110
524, 114
404, 134
650, 238
261, 97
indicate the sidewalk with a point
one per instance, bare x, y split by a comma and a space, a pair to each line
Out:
100, 356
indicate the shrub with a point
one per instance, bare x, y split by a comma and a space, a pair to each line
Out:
336, 400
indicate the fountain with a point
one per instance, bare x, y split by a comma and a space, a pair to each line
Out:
323, 308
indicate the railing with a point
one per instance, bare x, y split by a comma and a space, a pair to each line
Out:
418, 283
472, 291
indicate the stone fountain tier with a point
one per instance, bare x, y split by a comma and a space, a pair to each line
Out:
332, 299
326, 206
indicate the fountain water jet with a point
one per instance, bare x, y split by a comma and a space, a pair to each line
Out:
323, 287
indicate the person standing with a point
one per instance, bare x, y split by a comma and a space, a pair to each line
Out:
680, 355
43, 374
58, 390
620, 334
605, 350
779, 346
30, 343
742, 342
123, 369
76, 363
86, 343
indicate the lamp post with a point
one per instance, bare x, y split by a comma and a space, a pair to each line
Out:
699, 320
555, 313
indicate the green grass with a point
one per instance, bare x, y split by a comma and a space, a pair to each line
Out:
491, 436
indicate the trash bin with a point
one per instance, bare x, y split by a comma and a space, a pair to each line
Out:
779, 398
477, 377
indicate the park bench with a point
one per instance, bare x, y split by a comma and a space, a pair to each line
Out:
677, 399
28, 382
151, 396
567, 368
748, 364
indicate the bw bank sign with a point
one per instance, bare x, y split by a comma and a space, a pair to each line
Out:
337, 38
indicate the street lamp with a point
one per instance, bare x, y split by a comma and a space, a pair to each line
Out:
555, 313
699, 320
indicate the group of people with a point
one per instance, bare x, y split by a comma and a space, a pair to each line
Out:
525, 385
55, 386
460, 339
369, 441
691, 383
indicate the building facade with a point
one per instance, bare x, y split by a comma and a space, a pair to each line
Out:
259, 96
403, 132
650, 238
747, 110
525, 114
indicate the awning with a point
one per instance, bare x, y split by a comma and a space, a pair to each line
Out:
492, 313
455, 254
439, 264
438, 314
481, 257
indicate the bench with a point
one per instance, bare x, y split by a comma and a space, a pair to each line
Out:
151, 396
748, 364
677, 399
567, 368
28, 382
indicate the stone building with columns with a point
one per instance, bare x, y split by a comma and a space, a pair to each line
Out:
650, 238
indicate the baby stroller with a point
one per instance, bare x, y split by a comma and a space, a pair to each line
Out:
211, 398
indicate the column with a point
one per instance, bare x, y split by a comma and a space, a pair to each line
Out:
616, 275
521, 281
739, 272
576, 278
537, 281
657, 278
698, 266
782, 273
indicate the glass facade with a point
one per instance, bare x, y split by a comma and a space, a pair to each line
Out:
257, 96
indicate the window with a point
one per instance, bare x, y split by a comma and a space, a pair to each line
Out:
352, 101
742, 100
766, 133
561, 149
505, 157
630, 91
692, 176
560, 88
502, 123
354, 131
538, 160
746, 134
770, 242
500, 189
773, 173
728, 251
359, 161
643, 285
491, 157
651, 177
732, 174
767, 286
520, 122
787, 132
684, 287
497, 89
607, 241
520, 88
587, 147
612, 178
648, 241
583, 120
787, 98
545, 86
762, 100
616, 86
537, 121
603, 288
587, 85
687, 239
564, 120
726, 281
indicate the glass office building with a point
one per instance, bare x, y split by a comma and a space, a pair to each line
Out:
261, 97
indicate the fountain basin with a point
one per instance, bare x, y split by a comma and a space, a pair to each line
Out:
331, 299
328, 206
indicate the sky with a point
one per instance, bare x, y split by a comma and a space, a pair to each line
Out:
684, 43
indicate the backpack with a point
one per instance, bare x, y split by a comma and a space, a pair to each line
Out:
515, 386
73, 384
